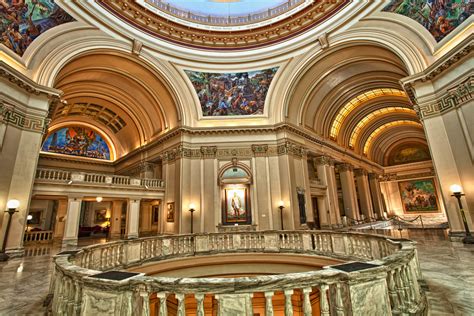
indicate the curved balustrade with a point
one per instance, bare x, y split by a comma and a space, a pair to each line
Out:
387, 287
228, 20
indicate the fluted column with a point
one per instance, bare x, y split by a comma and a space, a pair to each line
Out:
376, 193
363, 190
351, 208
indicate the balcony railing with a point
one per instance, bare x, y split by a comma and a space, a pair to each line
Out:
389, 287
77, 177
225, 20
43, 236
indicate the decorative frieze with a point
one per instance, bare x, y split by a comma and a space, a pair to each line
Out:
289, 148
208, 151
395, 177
13, 116
452, 98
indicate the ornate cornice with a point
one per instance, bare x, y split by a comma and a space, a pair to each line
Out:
25, 83
153, 24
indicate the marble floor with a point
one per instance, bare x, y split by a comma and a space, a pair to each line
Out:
448, 270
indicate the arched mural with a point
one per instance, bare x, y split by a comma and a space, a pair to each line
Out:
77, 141
22, 21
409, 154
231, 94
439, 17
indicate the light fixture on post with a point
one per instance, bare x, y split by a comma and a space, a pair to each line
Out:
12, 206
281, 206
457, 193
99, 199
28, 219
192, 210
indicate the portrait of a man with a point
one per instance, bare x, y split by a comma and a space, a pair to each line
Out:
235, 205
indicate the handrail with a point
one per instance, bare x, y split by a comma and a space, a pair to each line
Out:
395, 272
399, 220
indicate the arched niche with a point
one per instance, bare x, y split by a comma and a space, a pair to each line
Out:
235, 180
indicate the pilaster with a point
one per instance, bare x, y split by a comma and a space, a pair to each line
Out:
351, 208
363, 190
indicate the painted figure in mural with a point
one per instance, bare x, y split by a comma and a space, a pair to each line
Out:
232, 93
439, 17
22, 21
77, 141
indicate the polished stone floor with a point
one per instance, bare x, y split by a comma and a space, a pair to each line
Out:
448, 270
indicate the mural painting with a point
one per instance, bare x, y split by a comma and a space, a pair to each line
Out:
231, 94
77, 141
236, 209
409, 155
439, 17
22, 21
418, 196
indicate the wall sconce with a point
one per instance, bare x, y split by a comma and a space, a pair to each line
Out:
457, 193
28, 219
99, 199
12, 206
192, 210
281, 206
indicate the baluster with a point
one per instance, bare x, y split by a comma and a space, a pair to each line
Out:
324, 299
145, 296
163, 308
200, 304
288, 303
339, 301
307, 308
181, 306
406, 286
268, 304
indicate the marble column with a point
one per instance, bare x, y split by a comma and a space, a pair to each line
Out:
444, 102
23, 120
61, 216
376, 193
363, 190
327, 177
71, 228
133, 218
116, 219
351, 208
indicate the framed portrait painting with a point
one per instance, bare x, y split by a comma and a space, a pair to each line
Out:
236, 207
418, 196
100, 216
170, 212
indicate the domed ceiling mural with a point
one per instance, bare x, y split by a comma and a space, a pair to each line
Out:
224, 24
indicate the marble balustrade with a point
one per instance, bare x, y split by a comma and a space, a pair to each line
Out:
390, 288
45, 175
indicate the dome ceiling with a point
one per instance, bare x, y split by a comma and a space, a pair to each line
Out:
224, 24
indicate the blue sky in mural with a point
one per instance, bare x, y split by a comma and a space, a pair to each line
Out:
77, 141
225, 7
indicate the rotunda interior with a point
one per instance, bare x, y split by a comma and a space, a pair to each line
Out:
235, 145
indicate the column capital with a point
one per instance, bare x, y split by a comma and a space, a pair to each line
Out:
260, 150
345, 167
322, 160
360, 172
208, 151
373, 176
